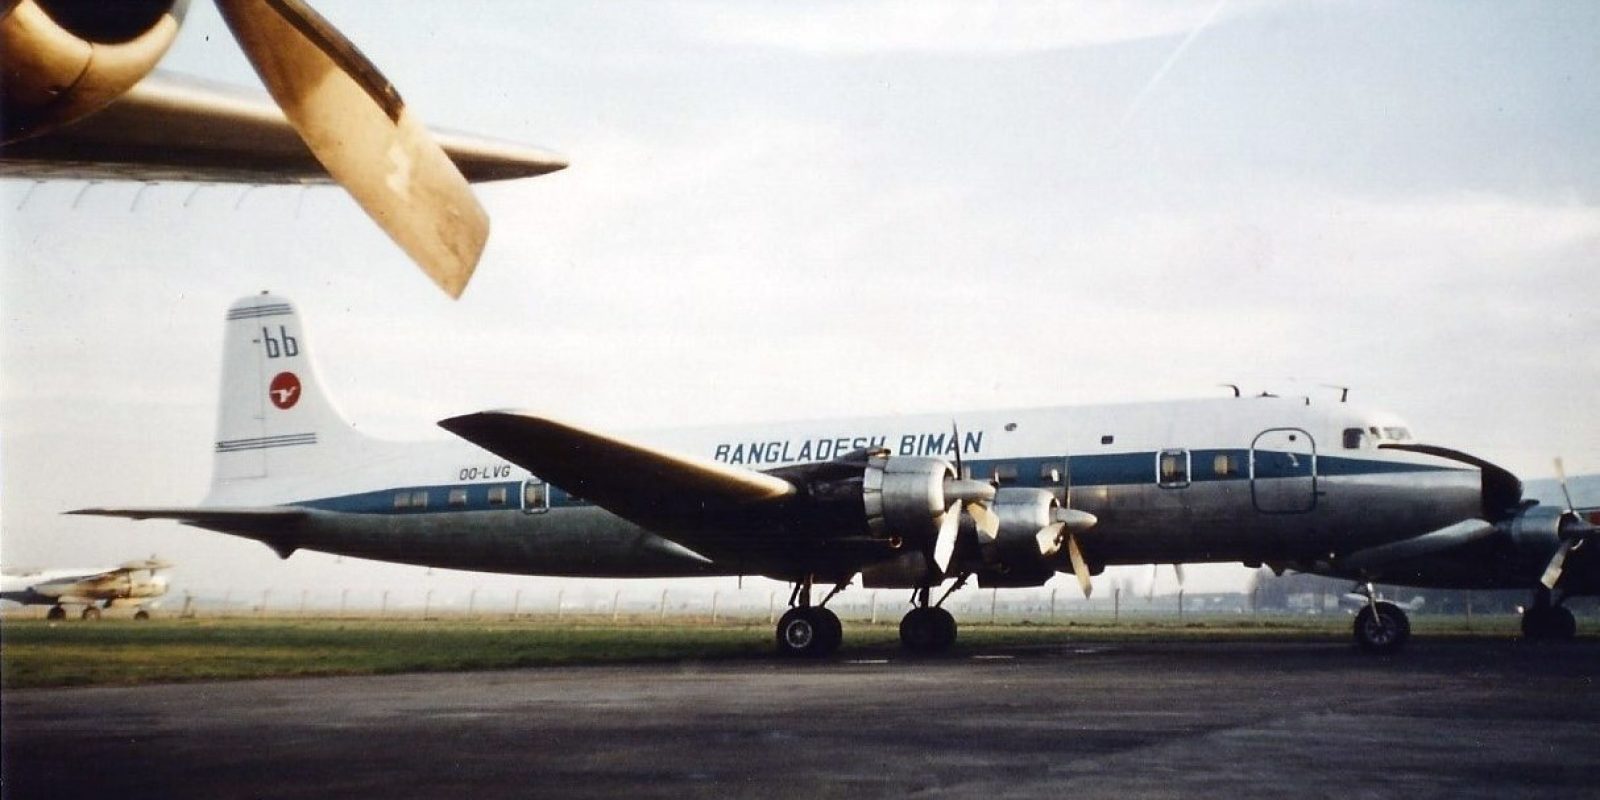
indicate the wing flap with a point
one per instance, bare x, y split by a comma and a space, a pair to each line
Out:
645, 485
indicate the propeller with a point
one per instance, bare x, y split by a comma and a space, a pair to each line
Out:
355, 123
1574, 531
968, 495
1065, 523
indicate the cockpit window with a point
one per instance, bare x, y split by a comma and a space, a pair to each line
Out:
1352, 438
1396, 433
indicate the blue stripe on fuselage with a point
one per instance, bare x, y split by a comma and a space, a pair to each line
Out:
1112, 469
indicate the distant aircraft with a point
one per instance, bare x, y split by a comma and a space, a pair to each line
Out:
132, 584
1330, 489
80, 99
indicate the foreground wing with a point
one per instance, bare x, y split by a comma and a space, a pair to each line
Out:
176, 128
648, 486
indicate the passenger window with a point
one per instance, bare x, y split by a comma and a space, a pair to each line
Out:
458, 497
1352, 438
1223, 465
1107, 439
1173, 468
402, 500
1049, 473
497, 496
419, 499
1005, 473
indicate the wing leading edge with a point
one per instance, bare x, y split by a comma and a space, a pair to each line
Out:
173, 127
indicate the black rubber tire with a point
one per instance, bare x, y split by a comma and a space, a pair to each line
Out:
1386, 632
141, 614
918, 631
90, 613
1563, 626
946, 629
1549, 623
802, 633
832, 628
56, 612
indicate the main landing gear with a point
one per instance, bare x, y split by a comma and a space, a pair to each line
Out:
928, 628
808, 631
1547, 619
1381, 626
812, 631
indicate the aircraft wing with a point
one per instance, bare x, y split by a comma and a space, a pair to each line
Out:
172, 127
650, 487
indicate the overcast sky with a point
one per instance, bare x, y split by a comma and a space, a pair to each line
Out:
780, 211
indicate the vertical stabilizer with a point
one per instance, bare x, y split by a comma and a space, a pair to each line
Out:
274, 423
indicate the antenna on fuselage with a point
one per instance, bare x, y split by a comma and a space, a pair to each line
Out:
1233, 386
1344, 391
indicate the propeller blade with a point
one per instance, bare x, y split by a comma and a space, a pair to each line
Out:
356, 124
1561, 478
1080, 567
1552, 573
987, 521
1049, 538
1178, 569
1150, 592
944, 547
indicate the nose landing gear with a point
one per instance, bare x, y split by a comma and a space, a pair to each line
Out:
1381, 627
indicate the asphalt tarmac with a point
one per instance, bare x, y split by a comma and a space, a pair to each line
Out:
1492, 718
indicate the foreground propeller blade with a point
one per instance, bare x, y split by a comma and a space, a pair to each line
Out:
944, 547
1080, 567
1049, 538
1552, 572
1561, 478
356, 124
987, 521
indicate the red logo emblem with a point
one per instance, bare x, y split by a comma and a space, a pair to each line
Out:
285, 390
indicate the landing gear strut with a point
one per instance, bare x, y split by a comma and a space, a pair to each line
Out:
1381, 627
809, 631
1548, 619
928, 628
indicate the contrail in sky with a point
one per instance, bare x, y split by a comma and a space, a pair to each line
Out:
1138, 99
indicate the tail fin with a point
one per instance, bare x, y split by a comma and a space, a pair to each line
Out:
273, 422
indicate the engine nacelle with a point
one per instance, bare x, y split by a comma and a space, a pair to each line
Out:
61, 60
903, 496
1013, 559
1535, 531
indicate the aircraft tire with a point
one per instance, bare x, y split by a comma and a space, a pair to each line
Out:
947, 628
804, 633
90, 613
141, 614
1551, 622
927, 630
1385, 632
832, 627
56, 612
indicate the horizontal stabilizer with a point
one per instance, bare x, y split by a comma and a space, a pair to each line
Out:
221, 517
1446, 538
646, 486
